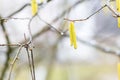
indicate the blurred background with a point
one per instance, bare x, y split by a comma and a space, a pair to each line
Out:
98, 42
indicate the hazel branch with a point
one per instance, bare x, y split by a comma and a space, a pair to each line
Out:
116, 15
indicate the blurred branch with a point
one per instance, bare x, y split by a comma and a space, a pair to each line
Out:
51, 62
50, 65
13, 63
94, 44
49, 0
9, 50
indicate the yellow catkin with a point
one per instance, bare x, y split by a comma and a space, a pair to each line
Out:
74, 39
34, 7
118, 9
118, 22
70, 32
72, 35
118, 67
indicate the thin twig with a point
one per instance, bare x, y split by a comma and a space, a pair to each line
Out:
13, 18
32, 63
29, 28
115, 14
26, 46
24, 6
49, 25
20, 9
16, 45
29, 61
13, 63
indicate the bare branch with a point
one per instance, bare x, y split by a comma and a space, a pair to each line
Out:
20, 9
32, 63
24, 6
16, 45
13, 63
115, 14
29, 28
9, 50
49, 25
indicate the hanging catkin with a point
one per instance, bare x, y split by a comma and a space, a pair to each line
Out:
72, 35
34, 6
118, 69
118, 9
